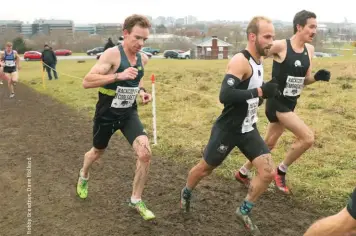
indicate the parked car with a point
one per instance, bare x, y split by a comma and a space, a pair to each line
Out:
321, 54
95, 51
170, 54
149, 55
184, 55
154, 51
63, 52
32, 55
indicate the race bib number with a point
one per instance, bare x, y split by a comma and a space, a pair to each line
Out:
125, 97
10, 63
251, 117
294, 86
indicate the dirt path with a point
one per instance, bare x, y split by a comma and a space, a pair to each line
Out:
55, 138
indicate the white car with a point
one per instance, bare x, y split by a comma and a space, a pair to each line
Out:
184, 55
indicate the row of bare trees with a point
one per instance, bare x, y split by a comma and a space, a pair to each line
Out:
77, 42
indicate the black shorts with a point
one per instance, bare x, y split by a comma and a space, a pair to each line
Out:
351, 205
131, 128
273, 105
9, 69
221, 143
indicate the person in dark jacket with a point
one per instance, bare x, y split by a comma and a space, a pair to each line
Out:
109, 44
50, 61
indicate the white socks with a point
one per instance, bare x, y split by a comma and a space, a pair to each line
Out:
282, 167
244, 170
134, 200
82, 175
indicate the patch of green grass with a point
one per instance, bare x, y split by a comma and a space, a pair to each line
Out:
324, 175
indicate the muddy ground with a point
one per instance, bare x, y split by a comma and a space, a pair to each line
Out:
54, 139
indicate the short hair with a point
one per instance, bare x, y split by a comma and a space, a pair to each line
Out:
8, 44
301, 19
253, 26
136, 19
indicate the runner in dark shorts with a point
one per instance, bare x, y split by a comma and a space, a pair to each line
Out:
291, 69
240, 93
118, 75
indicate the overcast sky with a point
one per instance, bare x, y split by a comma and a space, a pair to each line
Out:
110, 11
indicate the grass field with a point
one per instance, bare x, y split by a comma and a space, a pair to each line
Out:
324, 175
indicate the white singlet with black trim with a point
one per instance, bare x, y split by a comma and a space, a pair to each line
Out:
255, 81
242, 116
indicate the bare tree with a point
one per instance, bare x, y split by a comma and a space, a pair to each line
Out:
161, 29
61, 39
284, 33
7, 36
232, 34
37, 41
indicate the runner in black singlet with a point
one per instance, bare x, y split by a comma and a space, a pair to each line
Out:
118, 75
236, 126
292, 71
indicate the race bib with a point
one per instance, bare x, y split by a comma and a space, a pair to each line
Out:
294, 86
125, 97
251, 117
10, 63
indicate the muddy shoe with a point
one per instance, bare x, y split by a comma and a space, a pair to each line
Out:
247, 223
242, 179
143, 210
82, 186
281, 185
185, 196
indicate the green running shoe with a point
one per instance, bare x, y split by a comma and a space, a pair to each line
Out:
142, 209
82, 186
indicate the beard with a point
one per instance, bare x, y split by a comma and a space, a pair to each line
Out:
260, 49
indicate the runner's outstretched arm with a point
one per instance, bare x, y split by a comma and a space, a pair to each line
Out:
235, 74
98, 75
322, 74
277, 47
236, 70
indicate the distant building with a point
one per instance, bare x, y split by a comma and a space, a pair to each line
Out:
179, 21
322, 27
12, 25
49, 27
161, 20
26, 30
87, 28
212, 48
190, 20
108, 28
